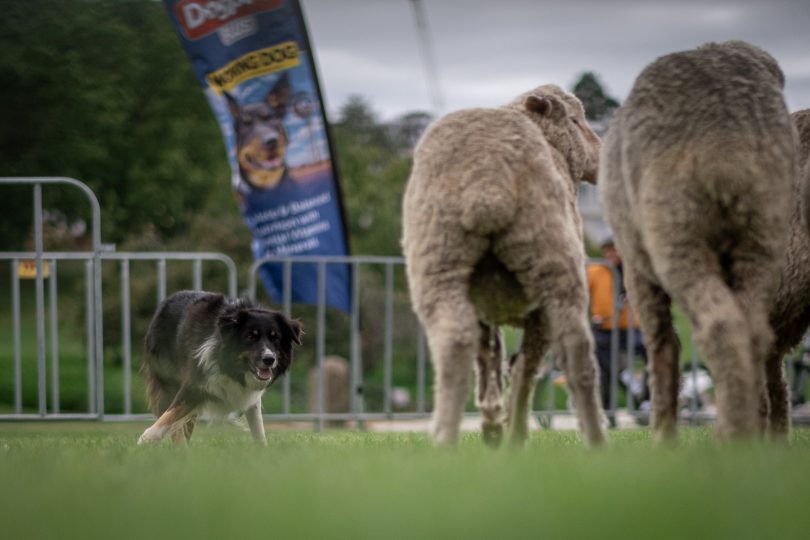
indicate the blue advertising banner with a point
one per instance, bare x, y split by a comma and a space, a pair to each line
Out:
253, 59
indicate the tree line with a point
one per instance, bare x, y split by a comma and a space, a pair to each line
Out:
102, 91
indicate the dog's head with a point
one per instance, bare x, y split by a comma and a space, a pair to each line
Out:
261, 139
258, 344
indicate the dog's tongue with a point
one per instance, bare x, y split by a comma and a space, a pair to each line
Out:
270, 163
265, 374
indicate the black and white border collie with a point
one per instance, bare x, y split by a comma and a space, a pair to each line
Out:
208, 354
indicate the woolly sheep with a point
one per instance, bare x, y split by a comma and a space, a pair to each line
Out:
491, 233
790, 313
801, 120
696, 175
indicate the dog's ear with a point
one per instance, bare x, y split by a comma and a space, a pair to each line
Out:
292, 328
279, 96
233, 105
231, 318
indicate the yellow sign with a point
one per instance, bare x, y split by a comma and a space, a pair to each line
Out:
253, 64
27, 269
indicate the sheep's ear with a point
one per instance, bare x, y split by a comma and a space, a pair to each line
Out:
539, 104
547, 106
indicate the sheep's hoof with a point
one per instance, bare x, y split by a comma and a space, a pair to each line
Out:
492, 434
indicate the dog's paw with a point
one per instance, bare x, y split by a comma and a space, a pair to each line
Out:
261, 441
151, 435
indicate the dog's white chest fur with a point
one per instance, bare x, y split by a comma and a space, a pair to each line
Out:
234, 397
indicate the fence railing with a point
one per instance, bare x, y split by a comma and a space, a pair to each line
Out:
95, 329
357, 409
389, 322
94, 347
46, 267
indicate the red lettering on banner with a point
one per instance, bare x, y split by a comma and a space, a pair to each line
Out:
198, 18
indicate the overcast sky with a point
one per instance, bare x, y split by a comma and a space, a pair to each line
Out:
487, 51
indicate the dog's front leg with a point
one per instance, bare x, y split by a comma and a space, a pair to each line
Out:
182, 435
253, 414
174, 418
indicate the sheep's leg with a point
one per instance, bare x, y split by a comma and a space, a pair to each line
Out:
692, 271
439, 265
523, 374
778, 398
663, 351
489, 395
573, 345
453, 337
721, 332
552, 271
755, 270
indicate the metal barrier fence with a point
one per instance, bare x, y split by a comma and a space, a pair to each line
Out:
94, 294
385, 268
545, 408
46, 265
357, 410
95, 371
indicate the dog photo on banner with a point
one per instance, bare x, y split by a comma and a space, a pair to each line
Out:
255, 64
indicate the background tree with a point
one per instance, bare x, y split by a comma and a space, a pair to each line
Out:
102, 91
407, 130
598, 105
373, 170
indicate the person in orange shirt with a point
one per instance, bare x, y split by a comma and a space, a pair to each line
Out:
600, 286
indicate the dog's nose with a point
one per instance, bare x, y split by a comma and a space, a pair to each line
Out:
268, 359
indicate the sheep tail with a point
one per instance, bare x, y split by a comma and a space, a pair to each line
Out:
488, 206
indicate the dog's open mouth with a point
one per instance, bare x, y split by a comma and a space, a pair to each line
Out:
263, 374
265, 163
263, 155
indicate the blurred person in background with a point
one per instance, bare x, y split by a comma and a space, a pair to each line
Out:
602, 292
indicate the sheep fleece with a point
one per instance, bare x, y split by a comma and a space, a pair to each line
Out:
491, 232
696, 179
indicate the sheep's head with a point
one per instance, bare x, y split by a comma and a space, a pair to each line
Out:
562, 118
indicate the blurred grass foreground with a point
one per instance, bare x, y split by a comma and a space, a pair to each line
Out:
91, 481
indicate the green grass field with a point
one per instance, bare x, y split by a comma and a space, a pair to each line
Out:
92, 481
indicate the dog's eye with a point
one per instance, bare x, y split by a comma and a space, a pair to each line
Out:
273, 334
254, 334
575, 120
